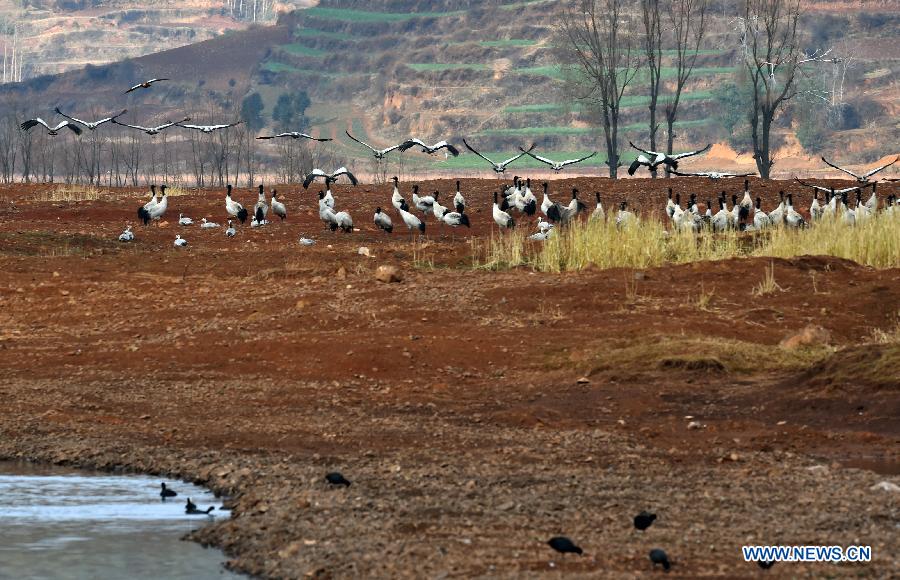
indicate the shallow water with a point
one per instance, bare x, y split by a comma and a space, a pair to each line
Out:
64, 524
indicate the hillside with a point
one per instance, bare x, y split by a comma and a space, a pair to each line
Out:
386, 70
54, 36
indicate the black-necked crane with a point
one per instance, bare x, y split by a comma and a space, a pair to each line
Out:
91, 125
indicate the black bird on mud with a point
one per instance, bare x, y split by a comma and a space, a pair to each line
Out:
166, 492
644, 520
765, 565
658, 556
336, 478
564, 545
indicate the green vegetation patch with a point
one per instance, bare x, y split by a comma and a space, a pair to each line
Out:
349, 15
441, 66
508, 42
302, 50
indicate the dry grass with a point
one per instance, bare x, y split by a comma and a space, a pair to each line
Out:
697, 354
648, 243
768, 285
72, 193
704, 298
889, 335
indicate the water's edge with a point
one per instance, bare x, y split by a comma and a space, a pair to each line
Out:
65, 519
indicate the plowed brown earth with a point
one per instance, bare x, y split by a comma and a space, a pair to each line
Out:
477, 413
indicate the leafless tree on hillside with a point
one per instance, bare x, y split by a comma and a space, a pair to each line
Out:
688, 21
597, 40
650, 11
9, 129
773, 58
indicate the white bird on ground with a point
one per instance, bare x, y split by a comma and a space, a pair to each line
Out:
205, 225
144, 85
306, 241
292, 135
333, 176
848, 216
864, 178
383, 220
436, 208
556, 166
459, 202
862, 210
497, 167
872, 202
157, 211
623, 216
424, 203
746, 203
547, 202
670, 205
454, 219
598, 213
183, 220
344, 221
230, 232
54, 130
792, 217
379, 154
208, 128
540, 236
760, 219
566, 213
412, 222
815, 210
430, 149
234, 208
501, 218
91, 125
721, 221
777, 215
396, 199
326, 214
543, 225
278, 208
152, 130
328, 199
258, 223
180, 242
144, 211
127, 235
261, 208
529, 198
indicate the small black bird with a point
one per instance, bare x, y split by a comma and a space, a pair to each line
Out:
190, 508
765, 565
166, 492
644, 520
658, 556
336, 478
564, 545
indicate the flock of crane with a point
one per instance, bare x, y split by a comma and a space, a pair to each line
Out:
518, 197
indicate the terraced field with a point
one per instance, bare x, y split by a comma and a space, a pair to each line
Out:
442, 73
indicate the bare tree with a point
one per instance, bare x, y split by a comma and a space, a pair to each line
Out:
597, 40
688, 21
653, 55
9, 129
773, 58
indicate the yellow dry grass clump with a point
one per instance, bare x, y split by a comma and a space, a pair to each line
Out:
647, 243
